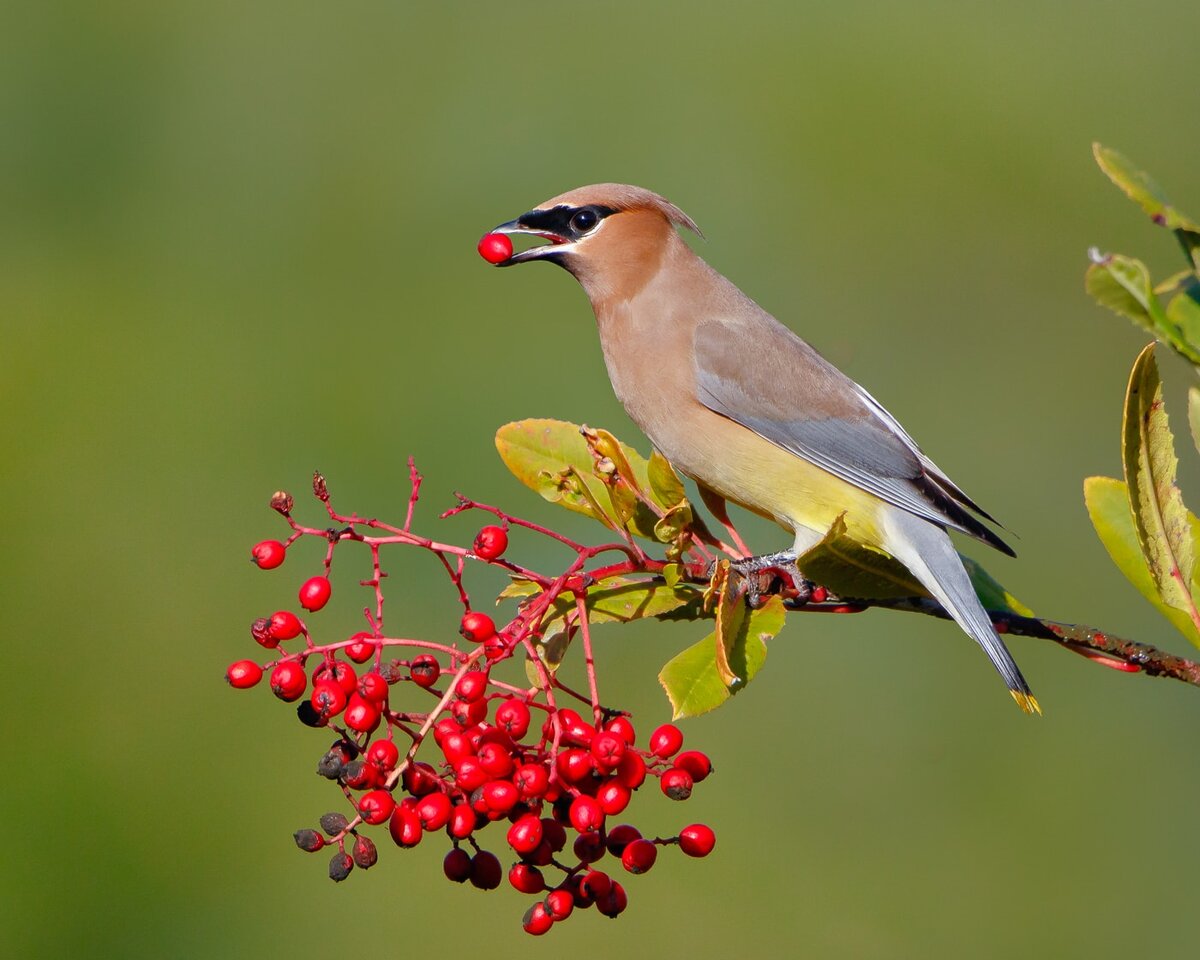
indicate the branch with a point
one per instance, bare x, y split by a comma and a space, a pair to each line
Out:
1098, 645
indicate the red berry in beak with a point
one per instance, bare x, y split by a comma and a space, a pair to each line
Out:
495, 247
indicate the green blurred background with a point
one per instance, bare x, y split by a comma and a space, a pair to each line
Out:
237, 243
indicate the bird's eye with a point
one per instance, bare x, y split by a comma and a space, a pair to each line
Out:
584, 220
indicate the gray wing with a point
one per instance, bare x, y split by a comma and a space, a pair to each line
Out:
775, 384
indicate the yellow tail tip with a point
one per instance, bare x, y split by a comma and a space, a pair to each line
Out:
1027, 702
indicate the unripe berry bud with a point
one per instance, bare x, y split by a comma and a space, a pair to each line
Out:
309, 840
340, 866
282, 502
490, 543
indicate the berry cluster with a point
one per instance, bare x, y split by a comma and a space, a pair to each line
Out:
433, 743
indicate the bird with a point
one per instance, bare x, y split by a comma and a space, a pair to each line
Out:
749, 410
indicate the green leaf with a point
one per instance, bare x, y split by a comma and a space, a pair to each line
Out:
1183, 310
1107, 502
1142, 190
1194, 414
1122, 284
691, 679
665, 486
520, 587
1160, 518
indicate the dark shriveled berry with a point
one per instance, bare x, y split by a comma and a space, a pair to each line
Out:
457, 865
308, 715
309, 840
334, 823
486, 872
365, 854
340, 866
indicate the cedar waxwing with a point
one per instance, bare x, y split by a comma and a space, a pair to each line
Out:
752, 413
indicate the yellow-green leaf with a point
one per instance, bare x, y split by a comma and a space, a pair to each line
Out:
621, 601
1183, 311
1194, 414
520, 587
1141, 189
1108, 507
691, 679
1122, 284
1160, 518
665, 486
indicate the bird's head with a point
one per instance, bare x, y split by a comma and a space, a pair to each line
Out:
608, 234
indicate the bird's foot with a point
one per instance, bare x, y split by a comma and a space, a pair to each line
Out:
781, 564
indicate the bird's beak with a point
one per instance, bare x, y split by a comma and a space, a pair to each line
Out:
553, 247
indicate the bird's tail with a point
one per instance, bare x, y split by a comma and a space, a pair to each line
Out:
928, 553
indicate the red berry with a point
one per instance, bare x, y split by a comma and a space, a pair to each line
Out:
697, 840
490, 543
526, 878
500, 795
639, 856
677, 784
405, 826
457, 865
419, 779
631, 771
425, 670
462, 821
666, 740
269, 554
469, 775
537, 920
468, 714
614, 902
588, 847
623, 728
361, 714
477, 627
575, 728
495, 247
695, 763
285, 625
456, 745
315, 592
595, 884
472, 685
554, 834
372, 687
339, 672
362, 649
243, 674
376, 806
574, 764
328, 699
525, 835
288, 681
360, 776
613, 797
384, 754
495, 648
485, 871
513, 717
531, 780
496, 761
586, 814
621, 836
559, 904
607, 749
434, 810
